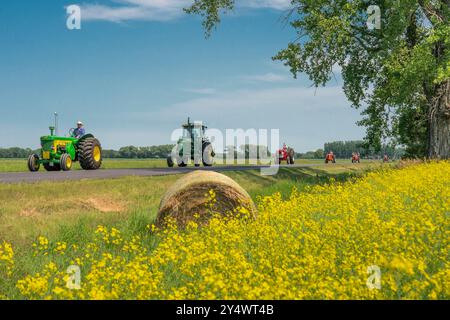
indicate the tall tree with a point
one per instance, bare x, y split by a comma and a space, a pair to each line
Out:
398, 70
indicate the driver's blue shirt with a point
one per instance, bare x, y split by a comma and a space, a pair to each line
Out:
79, 132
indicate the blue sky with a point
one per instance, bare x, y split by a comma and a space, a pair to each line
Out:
138, 68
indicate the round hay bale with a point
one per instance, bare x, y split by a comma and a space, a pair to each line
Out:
190, 196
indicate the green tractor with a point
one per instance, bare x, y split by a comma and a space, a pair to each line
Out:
185, 149
59, 153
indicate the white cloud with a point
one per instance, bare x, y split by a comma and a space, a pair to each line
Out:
267, 77
271, 4
159, 10
288, 98
201, 90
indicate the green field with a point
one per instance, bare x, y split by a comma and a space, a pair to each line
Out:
20, 165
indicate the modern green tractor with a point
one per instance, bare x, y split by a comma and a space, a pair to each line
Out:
193, 135
59, 153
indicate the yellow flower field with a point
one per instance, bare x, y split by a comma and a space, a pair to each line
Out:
324, 243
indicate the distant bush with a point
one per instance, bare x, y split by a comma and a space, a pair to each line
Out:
130, 152
10, 153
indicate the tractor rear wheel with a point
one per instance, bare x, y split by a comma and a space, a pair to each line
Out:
169, 161
55, 167
208, 154
90, 154
33, 163
66, 162
291, 155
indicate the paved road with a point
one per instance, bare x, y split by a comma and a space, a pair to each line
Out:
117, 173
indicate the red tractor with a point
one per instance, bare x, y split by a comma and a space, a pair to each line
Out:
356, 158
285, 154
330, 157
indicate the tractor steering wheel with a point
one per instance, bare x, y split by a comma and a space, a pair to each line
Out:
71, 131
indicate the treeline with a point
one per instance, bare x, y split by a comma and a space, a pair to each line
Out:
318, 154
344, 149
246, 151
10, 153
132, 152
129, 152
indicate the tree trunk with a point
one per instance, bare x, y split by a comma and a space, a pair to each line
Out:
439, 122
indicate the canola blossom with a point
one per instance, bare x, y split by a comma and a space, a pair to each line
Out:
323, 243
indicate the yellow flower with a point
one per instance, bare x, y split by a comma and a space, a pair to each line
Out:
6, 258
317, 244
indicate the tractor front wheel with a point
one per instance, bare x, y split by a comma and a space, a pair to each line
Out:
90, 154
208, 154
291, 156
33, 163
66, 162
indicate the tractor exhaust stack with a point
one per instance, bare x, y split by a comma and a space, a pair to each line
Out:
56, 123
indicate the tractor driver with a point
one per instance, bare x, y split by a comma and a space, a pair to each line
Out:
79, 131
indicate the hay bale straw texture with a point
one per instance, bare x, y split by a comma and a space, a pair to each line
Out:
189, 196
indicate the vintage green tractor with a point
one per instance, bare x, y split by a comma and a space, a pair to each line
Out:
59, 153
185, 149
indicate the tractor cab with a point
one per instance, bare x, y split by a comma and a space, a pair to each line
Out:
194, 130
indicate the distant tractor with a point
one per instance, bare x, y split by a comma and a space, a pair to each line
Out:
184, 151
285, 154
356, 158
330, 157
59, 153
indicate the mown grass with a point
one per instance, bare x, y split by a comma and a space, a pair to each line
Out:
20, 165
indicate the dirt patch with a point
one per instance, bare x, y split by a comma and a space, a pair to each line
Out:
105, 205
101, 204
28, 212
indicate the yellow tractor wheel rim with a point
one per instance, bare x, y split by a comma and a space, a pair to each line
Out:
69, 163
97, 154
